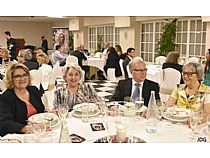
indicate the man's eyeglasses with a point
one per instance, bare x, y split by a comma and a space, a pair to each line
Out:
19, 77
189, 74
140, 70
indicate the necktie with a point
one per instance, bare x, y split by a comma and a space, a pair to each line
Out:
136, 92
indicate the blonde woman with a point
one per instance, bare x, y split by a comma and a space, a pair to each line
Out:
43, 61
5, 56
19, 101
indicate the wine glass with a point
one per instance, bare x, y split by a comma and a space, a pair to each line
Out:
63, 111
168, 113
38, 128
139, 102
194, 119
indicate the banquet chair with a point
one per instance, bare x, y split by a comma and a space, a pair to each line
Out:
121, 68
2, 86
129, 73
193, 59
71, 60
36, 78
160, 59
111, 74
98, 54
168, 78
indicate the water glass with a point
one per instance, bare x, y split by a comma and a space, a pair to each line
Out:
63, 111
139, 102
85, 112
39, 129
194, 119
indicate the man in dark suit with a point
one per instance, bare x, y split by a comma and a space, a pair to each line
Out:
130, 55
11, 45
44, 44
127, 87
80, 56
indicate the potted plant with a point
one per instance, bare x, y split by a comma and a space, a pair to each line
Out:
167, 40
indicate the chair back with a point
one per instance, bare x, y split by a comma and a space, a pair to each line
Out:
2, 86
193, 59
160, 59
168, 79
121, 68
111, 74
98, 54
129, 73
71, 60
36, 77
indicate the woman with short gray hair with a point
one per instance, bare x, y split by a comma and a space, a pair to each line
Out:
76, 91
186, 95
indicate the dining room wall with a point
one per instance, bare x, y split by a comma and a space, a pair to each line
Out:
30, 31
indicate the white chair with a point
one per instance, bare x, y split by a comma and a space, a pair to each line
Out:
193, 59
121, 68
168, 79
111, 74
160, 59
71, 60
129, 73
51, 58
36, 78
2, 86
98, 54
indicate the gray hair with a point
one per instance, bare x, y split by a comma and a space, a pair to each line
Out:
196, 67
74, 66
135, 61
26, 54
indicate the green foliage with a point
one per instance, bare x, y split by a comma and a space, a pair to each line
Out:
167, 40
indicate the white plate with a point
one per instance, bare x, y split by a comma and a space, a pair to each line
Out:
79, 114
178, 113
80, 107
49, 117
173, 119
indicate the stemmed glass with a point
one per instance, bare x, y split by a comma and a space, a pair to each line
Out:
194, 119
139, 102
39, 129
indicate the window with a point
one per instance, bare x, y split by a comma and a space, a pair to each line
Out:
100, 34
190, 38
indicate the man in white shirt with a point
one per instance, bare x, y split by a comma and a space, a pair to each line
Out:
57, 56
105, 50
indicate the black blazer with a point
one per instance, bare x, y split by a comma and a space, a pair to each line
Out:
125, 63
113, 62
124, 89
80, 56
31, 65
13, 111
174, 66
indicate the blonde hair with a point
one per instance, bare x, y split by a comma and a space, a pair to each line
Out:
43, 57
8, 78
172, 57
4, 49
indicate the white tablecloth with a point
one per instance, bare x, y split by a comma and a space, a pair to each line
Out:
95, 62
152, 70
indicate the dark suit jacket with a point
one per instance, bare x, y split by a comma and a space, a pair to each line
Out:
13, 111
113, 62
13, 49
31, 65
80, 57
125, 63
124, 89
174, 66
45, 45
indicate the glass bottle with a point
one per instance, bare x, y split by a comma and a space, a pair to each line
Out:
152, 117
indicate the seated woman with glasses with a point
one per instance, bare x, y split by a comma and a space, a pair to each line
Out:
75, 92
19, 101
186, 95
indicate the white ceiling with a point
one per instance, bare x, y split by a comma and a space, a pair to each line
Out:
35, 18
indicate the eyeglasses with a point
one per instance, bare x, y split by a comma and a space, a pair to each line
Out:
18, 77
189, 74
140, 70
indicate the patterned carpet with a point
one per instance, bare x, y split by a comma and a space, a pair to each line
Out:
103, 88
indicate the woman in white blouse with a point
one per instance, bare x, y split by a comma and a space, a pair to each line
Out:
43, 61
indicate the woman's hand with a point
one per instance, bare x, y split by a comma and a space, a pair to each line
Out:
27, 129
